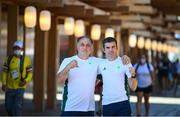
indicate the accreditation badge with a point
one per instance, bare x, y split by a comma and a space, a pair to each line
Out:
14, 74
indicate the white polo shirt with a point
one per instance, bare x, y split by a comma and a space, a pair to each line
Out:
113, 74
78, 92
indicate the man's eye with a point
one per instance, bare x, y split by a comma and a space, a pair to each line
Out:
82, 44
88, 45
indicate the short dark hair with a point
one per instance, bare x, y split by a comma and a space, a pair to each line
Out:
108, 40
79, 38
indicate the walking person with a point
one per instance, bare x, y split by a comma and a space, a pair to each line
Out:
145, 78
115, 99
16, 73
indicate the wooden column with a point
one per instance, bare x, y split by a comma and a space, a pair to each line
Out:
0, 16
118, 38
13, 24
125, 44
96, 47
72, 47
52, 65
40, 66
24, 38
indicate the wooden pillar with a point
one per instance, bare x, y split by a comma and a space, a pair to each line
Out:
40, 66
0, 16
52, 64
72, 47
24, 38
118, 38
125, 44
96, 47
13, 24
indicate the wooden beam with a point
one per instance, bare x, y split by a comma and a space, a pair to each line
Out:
130, 2
176, 26
91, 1
157, 21
143, 33
52, 64
121, 9
171, 18
101, 19
78, 11
142, 18
142, 9
172, 10
163, 3
87, 14
97, 11
13, 15
115, 22
133, 25
39, 3
167, 6
156, 28
167, 36
101, 4
75, 8
108, 5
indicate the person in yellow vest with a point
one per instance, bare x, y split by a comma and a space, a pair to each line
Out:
16, 73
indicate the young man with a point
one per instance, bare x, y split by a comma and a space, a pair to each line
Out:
115, 100
17, 72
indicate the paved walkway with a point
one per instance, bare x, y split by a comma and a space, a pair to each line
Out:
164, 105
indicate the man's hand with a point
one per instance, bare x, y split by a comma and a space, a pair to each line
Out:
126, 60
22, 83
72, 64
4, 88
63, 75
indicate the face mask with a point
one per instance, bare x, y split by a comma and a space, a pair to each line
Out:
143, 60
18, 52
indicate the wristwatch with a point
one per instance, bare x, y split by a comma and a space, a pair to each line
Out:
134, 76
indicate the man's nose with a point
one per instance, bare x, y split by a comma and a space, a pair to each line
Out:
111, 49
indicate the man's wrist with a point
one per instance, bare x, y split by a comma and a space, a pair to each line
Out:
133, 76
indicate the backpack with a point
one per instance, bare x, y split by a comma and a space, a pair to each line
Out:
21, 63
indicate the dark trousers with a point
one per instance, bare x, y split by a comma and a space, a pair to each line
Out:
77, 113
14, 101
117, 109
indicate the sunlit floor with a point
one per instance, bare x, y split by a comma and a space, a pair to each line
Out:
153, 99
160, 106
